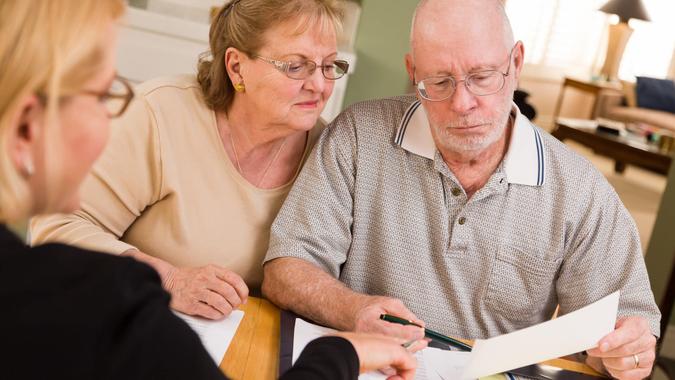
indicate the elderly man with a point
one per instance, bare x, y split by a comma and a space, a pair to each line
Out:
451, 208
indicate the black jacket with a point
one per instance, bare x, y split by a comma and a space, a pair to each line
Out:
68, 313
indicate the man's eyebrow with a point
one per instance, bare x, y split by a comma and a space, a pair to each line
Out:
483, 67
476, 68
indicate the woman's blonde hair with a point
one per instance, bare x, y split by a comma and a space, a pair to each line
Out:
49, 48
242, 24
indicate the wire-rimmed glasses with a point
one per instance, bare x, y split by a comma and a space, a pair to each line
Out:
304, 69
479, 83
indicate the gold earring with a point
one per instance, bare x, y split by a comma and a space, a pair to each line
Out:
239, 87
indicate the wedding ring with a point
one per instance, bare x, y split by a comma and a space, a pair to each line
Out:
637, 361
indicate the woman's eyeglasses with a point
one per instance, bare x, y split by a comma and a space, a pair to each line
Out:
304, 69
116, 98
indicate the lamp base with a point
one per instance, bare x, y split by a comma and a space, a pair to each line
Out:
619, 34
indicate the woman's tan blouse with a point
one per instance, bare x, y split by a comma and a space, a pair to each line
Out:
166, 186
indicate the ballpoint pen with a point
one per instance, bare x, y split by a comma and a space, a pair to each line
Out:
428, 333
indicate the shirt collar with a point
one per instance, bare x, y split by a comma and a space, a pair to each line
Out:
523, 163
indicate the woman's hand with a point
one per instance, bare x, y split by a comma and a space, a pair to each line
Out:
210, 291
379, 352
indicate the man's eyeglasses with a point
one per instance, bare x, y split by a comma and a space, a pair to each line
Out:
304, 69
480, 83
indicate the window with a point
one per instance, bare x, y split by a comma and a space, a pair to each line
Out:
650, 49
570, 36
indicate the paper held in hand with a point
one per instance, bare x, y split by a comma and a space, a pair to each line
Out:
565, 335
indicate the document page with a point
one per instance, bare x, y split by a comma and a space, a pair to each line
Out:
444, 364
432, 363
306, 332
216, 336
565, 335
568, 334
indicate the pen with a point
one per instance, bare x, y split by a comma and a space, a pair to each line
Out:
428, 333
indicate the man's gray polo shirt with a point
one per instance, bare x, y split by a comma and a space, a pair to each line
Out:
376, 206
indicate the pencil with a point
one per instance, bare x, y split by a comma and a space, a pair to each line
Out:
428, 333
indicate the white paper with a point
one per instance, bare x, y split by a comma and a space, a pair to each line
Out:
444, 364
306, 332
579, 123
430, 362
216, 336
565, 335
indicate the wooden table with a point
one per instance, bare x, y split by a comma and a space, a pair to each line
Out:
623, 150
591, 87
254, 352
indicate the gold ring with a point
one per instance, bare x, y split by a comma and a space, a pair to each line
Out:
637, 361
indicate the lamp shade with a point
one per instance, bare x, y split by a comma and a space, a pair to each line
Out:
626, 9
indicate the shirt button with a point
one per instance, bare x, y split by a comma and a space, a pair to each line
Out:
461, 221
456, 191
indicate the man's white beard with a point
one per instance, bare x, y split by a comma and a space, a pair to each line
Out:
475, 143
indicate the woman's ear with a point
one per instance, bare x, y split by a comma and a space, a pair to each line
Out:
24, 130
233, 59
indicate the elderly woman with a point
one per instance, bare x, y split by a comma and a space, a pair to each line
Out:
75, 314
198, 168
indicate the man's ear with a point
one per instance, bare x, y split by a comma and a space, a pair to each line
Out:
518, 58
24, 129
410, 67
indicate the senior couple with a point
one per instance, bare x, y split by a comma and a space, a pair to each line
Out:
446, 207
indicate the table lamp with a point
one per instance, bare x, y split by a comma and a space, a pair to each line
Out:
620, 33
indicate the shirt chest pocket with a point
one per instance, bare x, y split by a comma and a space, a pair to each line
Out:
520, 284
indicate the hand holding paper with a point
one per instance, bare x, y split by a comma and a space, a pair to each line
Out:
568, 334
627, 352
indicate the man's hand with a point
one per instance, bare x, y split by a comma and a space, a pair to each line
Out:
628, 352
367, 318
210, 291
384, 353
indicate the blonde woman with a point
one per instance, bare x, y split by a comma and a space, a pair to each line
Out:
66, 312
198, 168
71, 313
